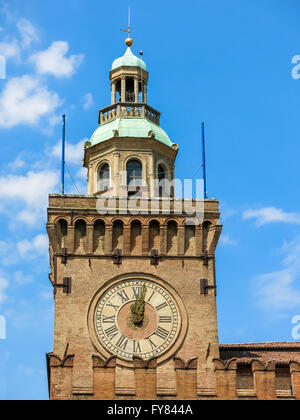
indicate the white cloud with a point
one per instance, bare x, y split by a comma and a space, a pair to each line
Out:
10, 49
226, 240
32, 190
34, 248
87, 101
25, 100
279, 291
18, 163
74, 152
54, 60
271, 215
27, 31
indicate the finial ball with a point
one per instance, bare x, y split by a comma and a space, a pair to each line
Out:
129, 42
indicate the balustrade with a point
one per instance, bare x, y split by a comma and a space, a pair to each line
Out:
128, 109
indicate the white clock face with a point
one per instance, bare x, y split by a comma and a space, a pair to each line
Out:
137, 318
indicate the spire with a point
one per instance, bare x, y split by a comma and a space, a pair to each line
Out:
129, 40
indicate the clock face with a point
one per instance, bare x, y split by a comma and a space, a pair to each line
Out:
136, 318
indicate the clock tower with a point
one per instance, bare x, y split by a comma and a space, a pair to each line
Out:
132, 266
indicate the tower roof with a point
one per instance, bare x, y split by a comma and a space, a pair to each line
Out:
128, 59
130, 127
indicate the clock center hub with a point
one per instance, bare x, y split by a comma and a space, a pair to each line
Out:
129, 329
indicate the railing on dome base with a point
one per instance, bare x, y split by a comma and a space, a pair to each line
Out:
128, 109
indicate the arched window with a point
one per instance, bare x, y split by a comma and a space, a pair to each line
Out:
63, 231
154, 235
206, 227
161, 173
172, 237
129, 95
99, 235
134, 173
136, 237
162, 184
118, 234
104, 178
80, 236
190, 239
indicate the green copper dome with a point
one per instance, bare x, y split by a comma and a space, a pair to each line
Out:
128, 59
130, 127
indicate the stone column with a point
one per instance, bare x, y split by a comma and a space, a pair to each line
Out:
145, 378
144, 92
150, 176
115, 174
226, 379
186, 378
181, 240
108, 239
71, 238
163, 239
199, 230
136, 89
89, 239
295, 376
145, 239
264, 380
127, 239
113, 93
104, 378
123, 89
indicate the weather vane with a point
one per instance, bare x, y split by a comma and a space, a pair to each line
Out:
129, 40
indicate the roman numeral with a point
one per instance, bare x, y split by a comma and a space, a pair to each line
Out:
165, 319
153, 346
161, 332
163, 305
113, 306
122, 342
151, 296
122, 294
111, 332
136, 347
137, 292
108, 319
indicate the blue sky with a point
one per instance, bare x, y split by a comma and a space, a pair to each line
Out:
226, 63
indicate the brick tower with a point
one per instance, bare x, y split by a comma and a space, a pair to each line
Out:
132, 266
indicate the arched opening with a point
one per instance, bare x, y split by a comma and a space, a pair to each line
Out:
129, 95
118, 234
190, 239
104, 177
154, 235
134, 173
99, 236
118, 90
136, 237
244, 377
63, 232
172, 238
80, 236
162, 180
206, 227
283, 380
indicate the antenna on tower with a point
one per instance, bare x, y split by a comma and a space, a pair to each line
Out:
63, 156
204, 162
129, 40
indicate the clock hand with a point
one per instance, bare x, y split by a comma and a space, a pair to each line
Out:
138, 308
